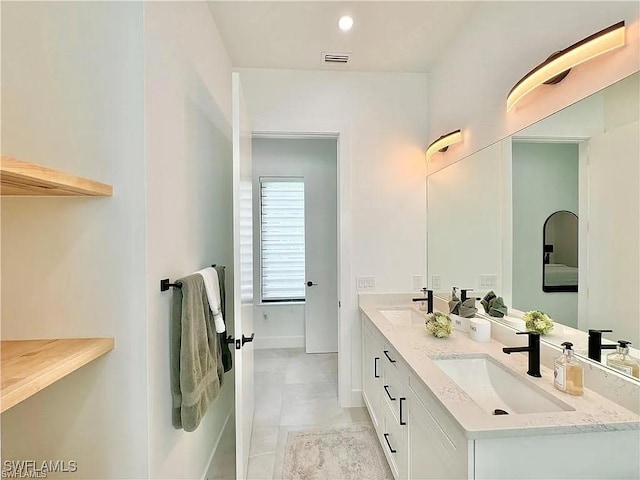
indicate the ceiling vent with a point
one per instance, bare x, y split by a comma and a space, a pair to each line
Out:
335, 58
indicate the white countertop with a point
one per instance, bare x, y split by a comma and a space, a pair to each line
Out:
593, 412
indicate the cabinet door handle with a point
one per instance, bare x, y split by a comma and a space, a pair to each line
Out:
386, 389
386, 353
375, 367
402, 422
386, 437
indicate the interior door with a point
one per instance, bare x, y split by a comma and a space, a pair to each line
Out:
321, 256
243, 278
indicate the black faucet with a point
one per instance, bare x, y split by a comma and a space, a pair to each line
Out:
429, 298
534, 352
463, 294
596, 346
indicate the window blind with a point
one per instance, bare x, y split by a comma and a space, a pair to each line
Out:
282, 240
246, 241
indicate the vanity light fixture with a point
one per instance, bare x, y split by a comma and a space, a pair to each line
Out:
442, 144
558, 65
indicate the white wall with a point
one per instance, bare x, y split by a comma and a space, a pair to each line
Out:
468, 87
621, 103
616, 268
73, 99
463, 221
279, 326
545, 180
79, 98
283, 326
189, 223
381, 119
579, 121
614, 232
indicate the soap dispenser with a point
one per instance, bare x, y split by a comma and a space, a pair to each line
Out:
621, 360
568, 375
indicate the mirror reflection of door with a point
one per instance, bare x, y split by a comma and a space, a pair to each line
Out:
560, 253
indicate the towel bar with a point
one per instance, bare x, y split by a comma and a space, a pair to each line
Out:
165, 283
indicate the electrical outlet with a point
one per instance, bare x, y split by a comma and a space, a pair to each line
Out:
488, 281
417, 282
436, 282
365, 283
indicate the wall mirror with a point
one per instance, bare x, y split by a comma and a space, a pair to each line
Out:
485, 218
560, 252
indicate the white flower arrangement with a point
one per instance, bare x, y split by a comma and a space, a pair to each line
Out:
537, 321
439, 325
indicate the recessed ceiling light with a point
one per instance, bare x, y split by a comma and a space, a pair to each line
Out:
345, 23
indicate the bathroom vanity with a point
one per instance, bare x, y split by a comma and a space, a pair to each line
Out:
434, 414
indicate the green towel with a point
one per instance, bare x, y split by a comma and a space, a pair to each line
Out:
468, 308
227, 357
497, 308
454, 303
196, 362
494, 305
486, 300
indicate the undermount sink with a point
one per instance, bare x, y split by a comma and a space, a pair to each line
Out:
403, 316
494, 388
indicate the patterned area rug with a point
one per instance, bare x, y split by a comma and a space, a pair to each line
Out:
341, 453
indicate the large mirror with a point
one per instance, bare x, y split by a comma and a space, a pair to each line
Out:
549, 219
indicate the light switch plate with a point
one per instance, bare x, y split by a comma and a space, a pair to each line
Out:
365, 283
417, 282
436, 282
488, 281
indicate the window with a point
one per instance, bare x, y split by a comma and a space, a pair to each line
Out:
245, 208
282, 239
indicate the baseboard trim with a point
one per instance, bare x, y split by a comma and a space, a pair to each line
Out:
356, 398
215, 448
261, 343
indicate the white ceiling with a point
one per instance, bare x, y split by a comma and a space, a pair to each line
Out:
387, 36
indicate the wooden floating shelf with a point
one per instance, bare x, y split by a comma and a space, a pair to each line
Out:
29, 366
19, 178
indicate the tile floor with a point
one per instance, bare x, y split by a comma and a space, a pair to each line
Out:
294, 391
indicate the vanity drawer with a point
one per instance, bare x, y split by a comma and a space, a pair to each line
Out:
444, 425
393, 389
369, 328
394, 443
390, 357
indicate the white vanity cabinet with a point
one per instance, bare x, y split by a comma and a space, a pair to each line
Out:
371, 374
394, 431
422, 440
436, 447
384, 393
416, 444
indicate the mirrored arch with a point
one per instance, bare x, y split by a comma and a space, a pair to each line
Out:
560, 252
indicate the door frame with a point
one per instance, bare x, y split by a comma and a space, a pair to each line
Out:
347, 301
244, 380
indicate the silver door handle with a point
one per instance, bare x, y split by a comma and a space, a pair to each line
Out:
311, 284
